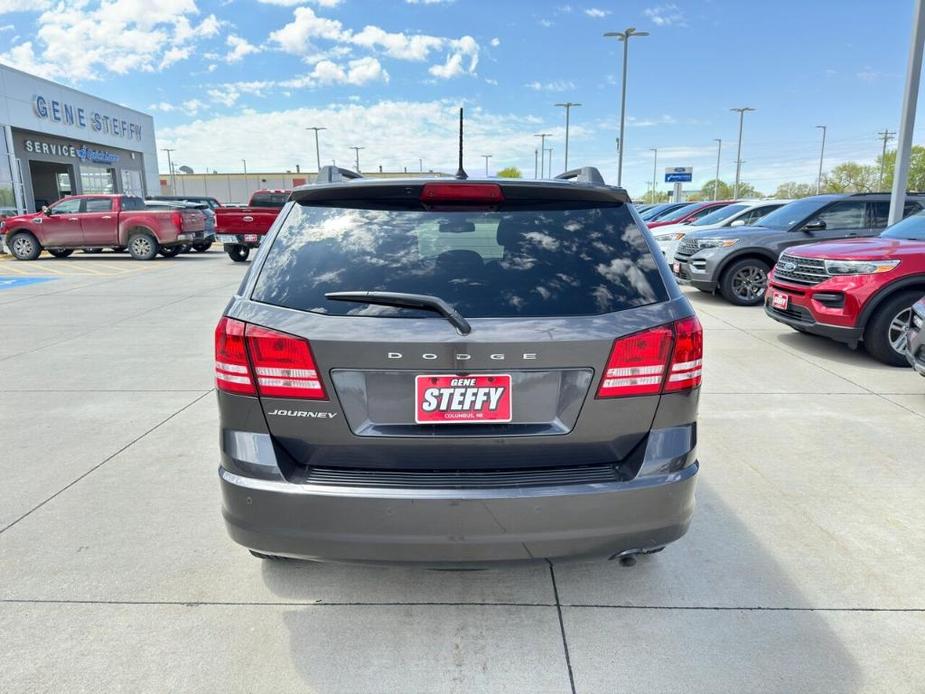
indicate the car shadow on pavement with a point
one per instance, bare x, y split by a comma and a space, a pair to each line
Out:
716, 611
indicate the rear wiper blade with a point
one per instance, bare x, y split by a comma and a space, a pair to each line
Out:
424, 302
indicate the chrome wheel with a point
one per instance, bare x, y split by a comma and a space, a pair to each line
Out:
23, 246
749, 283
141, 246
896, 332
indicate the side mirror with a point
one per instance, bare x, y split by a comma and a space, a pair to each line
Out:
816, 225
738, 223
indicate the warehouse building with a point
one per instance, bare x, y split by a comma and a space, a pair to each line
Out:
57, 141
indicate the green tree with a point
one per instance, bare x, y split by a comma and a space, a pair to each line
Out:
660, 196
724, 191
916, 169
851, 177
510, 172
791, 190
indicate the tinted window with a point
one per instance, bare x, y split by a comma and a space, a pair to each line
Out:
715, 216
912, 228
678, 213
519, 263
97, 205
69, 206
843, 215
754, 215
131, 203
705, 212
792, 213
269, 199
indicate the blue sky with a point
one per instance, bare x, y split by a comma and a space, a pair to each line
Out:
240, 79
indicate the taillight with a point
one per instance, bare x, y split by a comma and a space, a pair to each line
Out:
687, 358
462, 193
663, 359
283, 364
178, 220
232, 373
251, 360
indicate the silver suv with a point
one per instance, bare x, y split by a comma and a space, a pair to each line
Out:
458, 371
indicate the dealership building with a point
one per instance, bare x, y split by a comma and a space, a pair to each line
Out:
57, 141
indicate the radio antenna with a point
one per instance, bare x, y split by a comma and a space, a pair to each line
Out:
461, 172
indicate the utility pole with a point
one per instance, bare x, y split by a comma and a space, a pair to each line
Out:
317, 148
623, 36
486, 157
886, 136
719, 149
654, 150
356, 151
568, 106
173, 179
542, 137
821, 155
741, 111
907, 119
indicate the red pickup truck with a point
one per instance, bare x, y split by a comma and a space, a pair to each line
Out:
119, 222
243, 228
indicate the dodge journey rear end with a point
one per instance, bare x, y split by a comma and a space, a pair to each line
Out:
458, 371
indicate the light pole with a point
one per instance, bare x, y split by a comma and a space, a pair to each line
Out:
536, 162
549, 162
317, 148
821, 155
173, 180
907, 118
623, 36
420, 165
719, 149
741, 111
486, 157
542, 137
356, 151
654, 150
568, 106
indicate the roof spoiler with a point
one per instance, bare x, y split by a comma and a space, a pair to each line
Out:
335, 174
586, 174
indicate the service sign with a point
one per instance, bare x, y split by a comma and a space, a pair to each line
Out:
472, 399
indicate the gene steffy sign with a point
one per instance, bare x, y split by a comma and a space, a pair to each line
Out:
79, 117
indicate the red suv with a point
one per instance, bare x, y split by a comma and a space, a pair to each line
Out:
854, 290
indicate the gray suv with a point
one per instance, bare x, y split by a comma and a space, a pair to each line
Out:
736, 262
458, 371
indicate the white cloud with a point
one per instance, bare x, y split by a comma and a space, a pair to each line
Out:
596, 13
23, 5
239, 48
545, 23
666, 15
495, 42
394, 134
307, 30
80, 41
7, 27
554, 86
868, 74
293, 3
429, 2
162, 106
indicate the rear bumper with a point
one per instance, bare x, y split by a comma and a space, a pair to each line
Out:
249, 240
434, 526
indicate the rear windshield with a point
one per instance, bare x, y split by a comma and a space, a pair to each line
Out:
559, 262
269, 199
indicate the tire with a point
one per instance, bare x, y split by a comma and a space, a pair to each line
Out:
884, 335
93, 250
170, 251
202, 247
24, 246
142, 246
60, 252
744, 282
237, 253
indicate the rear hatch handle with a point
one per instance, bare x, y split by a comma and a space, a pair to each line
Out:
423, 302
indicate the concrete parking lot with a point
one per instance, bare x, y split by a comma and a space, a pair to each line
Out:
803, 570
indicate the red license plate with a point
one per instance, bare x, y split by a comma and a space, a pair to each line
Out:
780, 301
251, 238
462, 399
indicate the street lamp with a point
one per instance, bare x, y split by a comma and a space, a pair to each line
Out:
741, 111
173, 180
486, 157
654, 150
568, 105
549, 162
543, 137
356, 151
821, 155
623, 36
719, 149
317, 149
